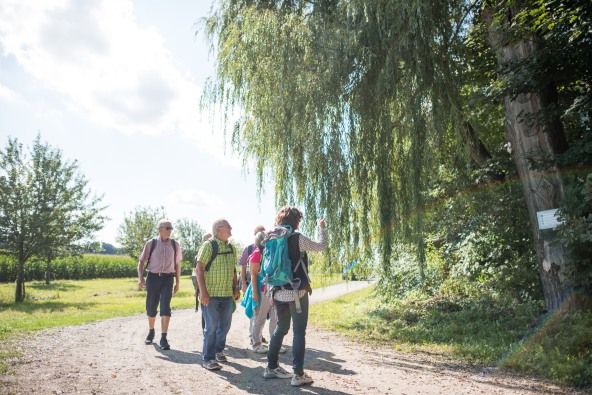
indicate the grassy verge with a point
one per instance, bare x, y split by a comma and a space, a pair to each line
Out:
483, 332
63, 303
321, 280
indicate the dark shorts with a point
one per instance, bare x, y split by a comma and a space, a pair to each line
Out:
159, 289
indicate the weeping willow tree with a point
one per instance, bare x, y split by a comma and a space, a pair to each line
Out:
348, 106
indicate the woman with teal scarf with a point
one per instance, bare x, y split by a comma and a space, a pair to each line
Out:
257, 301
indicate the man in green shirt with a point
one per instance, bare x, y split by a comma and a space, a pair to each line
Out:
218, 286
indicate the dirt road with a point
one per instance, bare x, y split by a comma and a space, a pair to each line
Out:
109, 357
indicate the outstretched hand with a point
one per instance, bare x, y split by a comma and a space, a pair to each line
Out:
322, 223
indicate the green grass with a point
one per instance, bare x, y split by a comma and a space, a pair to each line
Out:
321, 280
482, 332
64, 303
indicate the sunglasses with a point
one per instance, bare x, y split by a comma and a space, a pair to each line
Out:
168, 228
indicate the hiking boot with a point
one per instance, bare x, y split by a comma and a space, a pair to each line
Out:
150, 337
282, 350
164, 344
303, 379
278, 372
212, 365
220, 357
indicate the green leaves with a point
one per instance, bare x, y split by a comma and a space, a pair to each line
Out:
137, 228
46, 207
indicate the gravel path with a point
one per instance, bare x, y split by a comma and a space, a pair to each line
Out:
109, 357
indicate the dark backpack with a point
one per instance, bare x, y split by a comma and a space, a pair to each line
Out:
153, 246
250, 249
214, 253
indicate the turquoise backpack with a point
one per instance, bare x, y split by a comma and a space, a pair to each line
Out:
276, 265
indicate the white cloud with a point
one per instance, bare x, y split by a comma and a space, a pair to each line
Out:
194, 197
106, 67
8, 95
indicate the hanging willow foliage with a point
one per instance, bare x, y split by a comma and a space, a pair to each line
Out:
349, 106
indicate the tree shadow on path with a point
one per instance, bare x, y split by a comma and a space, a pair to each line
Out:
250, 379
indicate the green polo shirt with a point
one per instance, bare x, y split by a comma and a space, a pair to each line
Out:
219, 277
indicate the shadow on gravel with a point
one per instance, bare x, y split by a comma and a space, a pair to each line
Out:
251, 381
325, 361
177, 356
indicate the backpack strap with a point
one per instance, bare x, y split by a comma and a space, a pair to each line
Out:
152, 247
174, 255
295, 289
301, 263
215, 253
214, 244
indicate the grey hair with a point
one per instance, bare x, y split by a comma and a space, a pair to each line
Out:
217, 224
259, 238
162, 222
259, 228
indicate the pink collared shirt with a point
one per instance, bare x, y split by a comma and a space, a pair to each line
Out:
162, 257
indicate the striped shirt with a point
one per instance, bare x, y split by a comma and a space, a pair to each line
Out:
219, 277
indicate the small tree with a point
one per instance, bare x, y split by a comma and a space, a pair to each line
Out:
189, 234
46, 207
137, 228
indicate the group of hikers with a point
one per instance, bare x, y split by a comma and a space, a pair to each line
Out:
218, 286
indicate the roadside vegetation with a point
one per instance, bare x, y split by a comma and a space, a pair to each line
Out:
491, 331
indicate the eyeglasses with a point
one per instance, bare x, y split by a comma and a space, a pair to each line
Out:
167, 227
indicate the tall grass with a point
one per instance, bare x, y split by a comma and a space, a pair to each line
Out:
483, 332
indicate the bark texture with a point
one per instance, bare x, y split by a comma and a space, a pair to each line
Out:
532, 138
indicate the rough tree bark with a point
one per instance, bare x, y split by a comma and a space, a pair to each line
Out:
19, 294
542, 187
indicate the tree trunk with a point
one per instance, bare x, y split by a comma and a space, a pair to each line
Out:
542, 187
48, 272
19, 294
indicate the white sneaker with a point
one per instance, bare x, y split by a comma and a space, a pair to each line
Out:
260, 349
278, 372
304, 379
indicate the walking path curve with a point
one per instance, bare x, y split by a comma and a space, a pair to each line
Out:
109, 357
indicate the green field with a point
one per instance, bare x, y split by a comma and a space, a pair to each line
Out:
69, 302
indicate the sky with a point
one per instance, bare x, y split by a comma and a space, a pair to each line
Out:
116, 85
